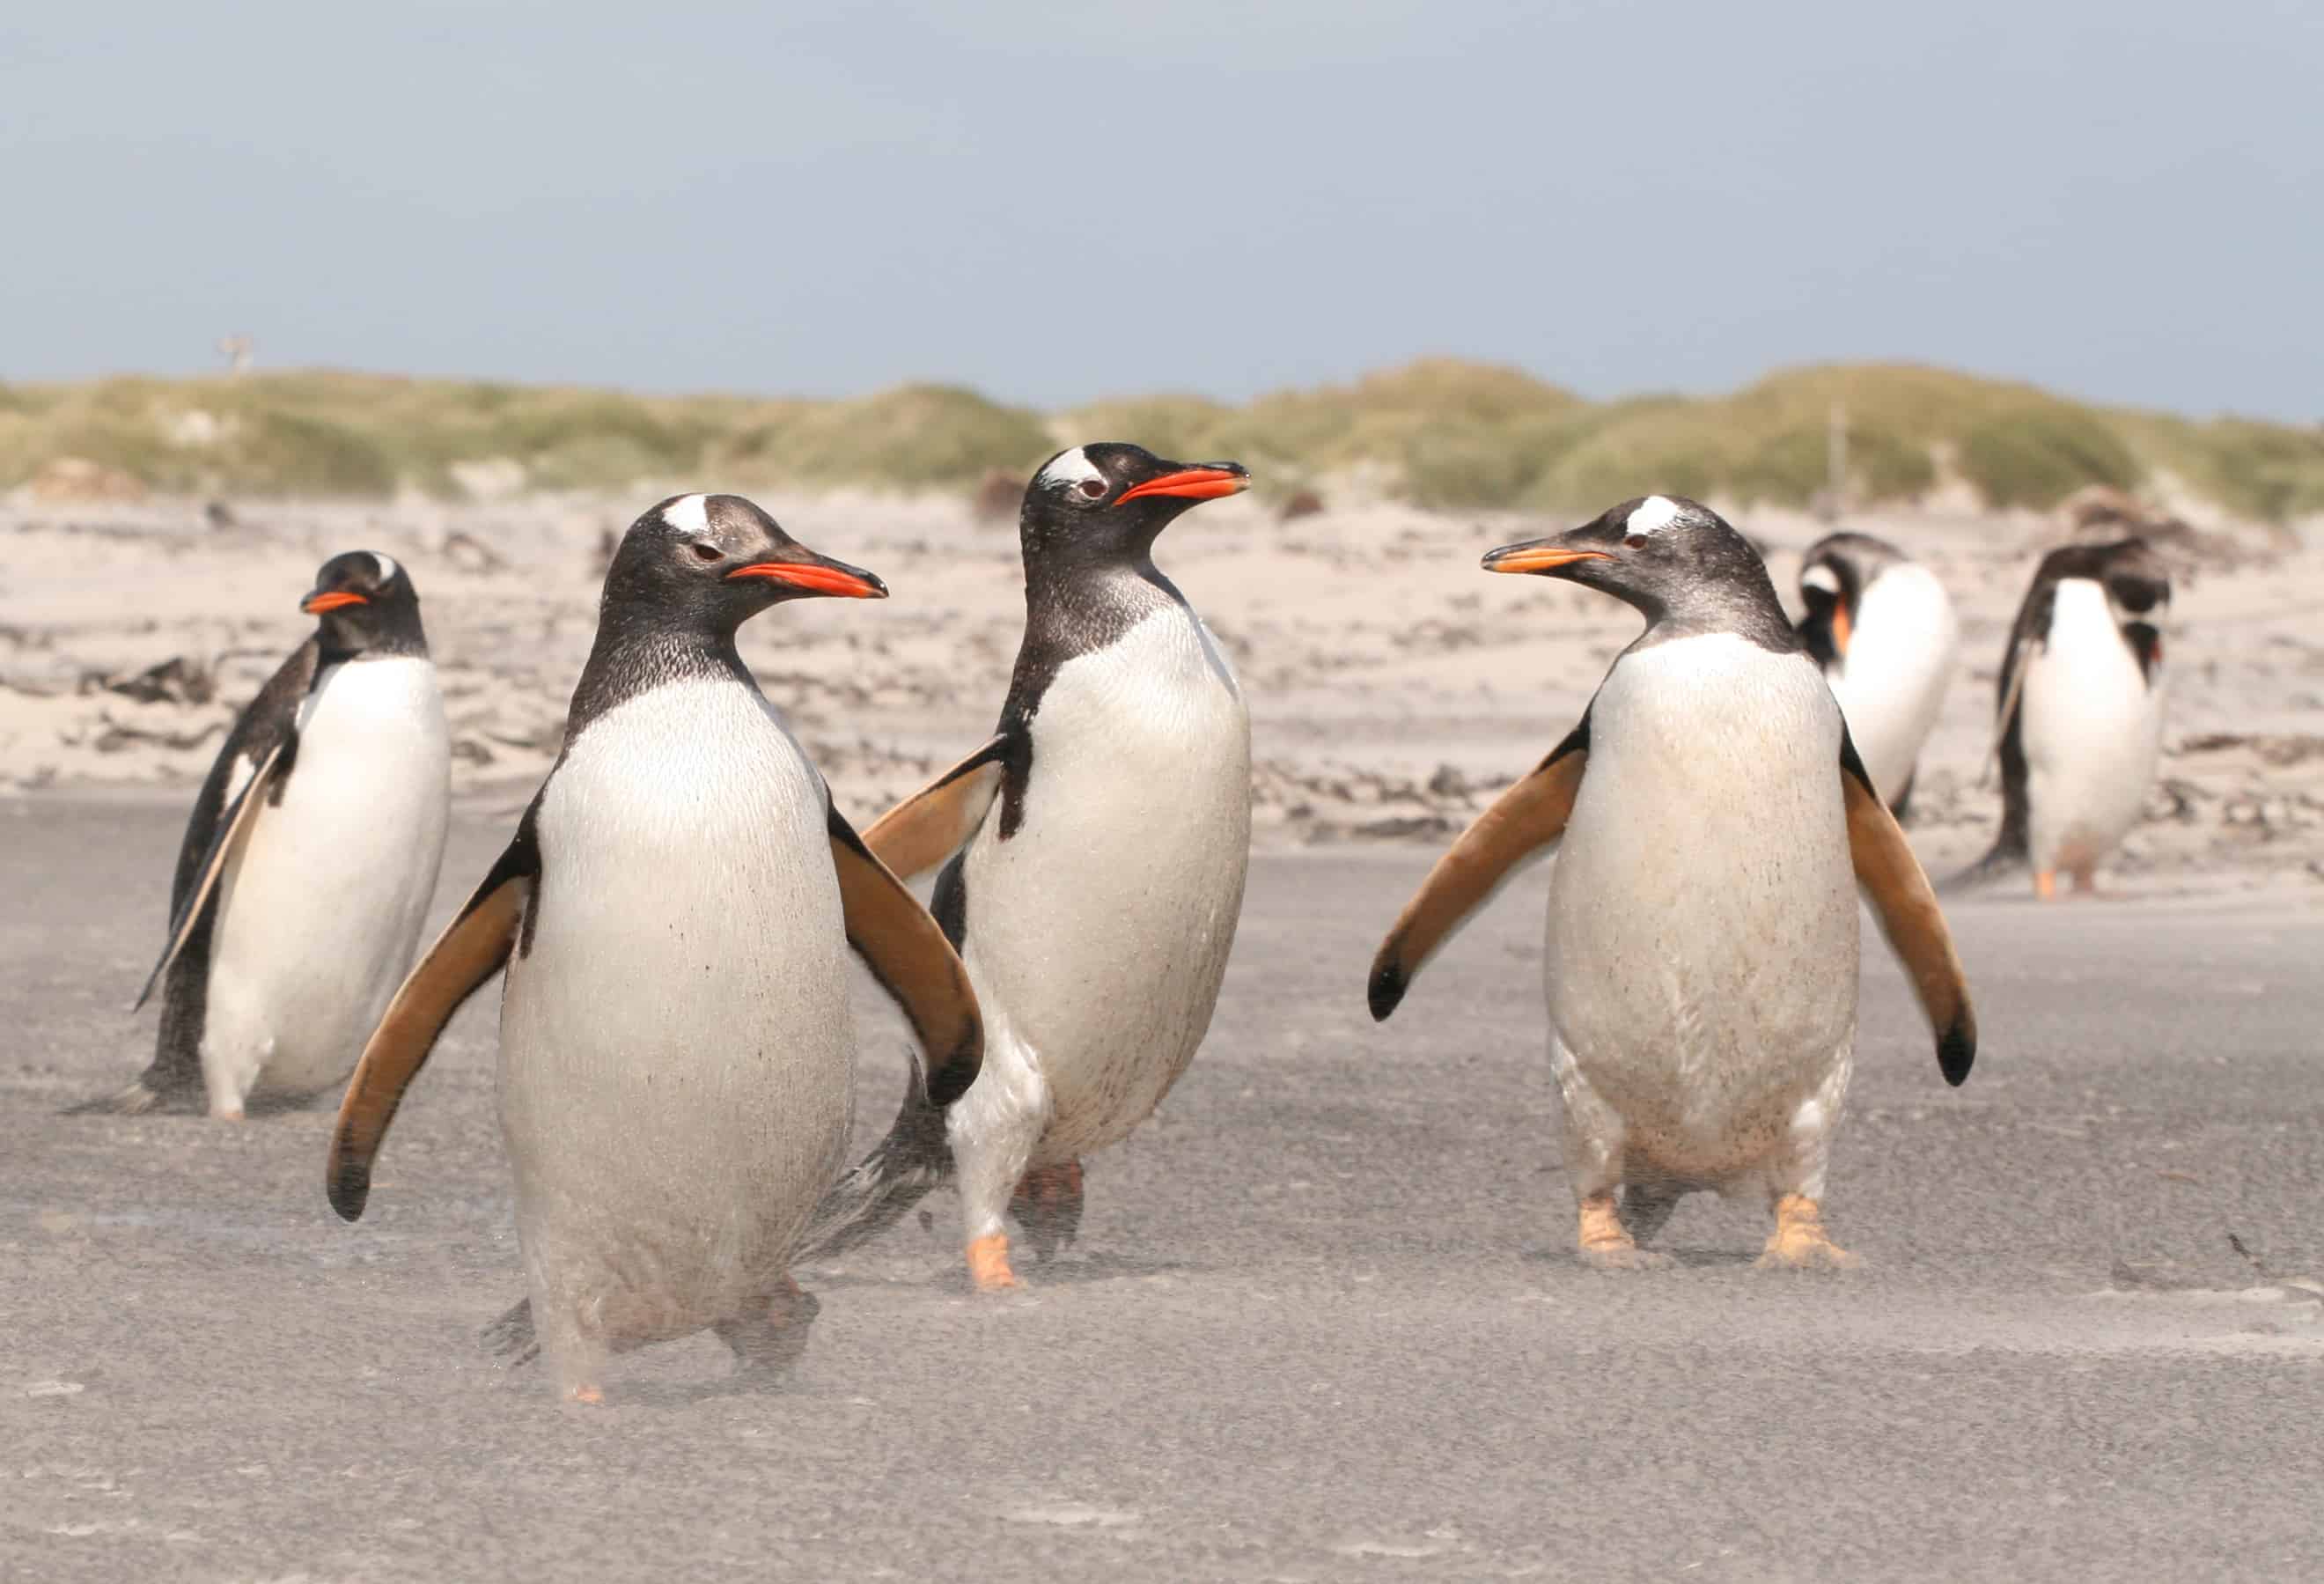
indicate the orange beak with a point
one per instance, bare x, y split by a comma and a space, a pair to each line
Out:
1839, 629
1539, 558
1193, 484
337, 599
817, 579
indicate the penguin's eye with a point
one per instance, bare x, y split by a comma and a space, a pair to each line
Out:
1636, 542
1091, 488
705, 550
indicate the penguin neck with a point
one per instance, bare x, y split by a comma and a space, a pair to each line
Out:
1746, 607
1091, 599
639, 649
387, 632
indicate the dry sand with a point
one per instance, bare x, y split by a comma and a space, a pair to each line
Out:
1324, 1322
1394, 687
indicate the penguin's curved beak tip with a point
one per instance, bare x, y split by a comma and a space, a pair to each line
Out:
820, 575
1200, 481
324, 599
1538, 555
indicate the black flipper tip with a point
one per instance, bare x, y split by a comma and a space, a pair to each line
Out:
349, 1188
1956, 1053
1386, 990
948, 1082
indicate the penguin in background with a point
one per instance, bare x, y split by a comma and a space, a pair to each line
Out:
1093, 853
309, 862
1713, 824
2079, 707
677, 1049
1883, 628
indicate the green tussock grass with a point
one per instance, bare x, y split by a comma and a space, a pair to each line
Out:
1440, 432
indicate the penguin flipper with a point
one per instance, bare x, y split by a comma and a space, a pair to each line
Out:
472, 948
194, 898
1892, 881
932, 824
914, 963
2005, 719
1522, 821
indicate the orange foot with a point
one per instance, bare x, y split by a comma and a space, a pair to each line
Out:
988, 1264
2045, 885
1800, 1243
1606, 1244
1048, 1204
590, 1396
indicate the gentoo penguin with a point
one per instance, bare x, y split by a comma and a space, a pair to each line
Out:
309, 861
2078, 712
1883, 628
1093, 853
1713, 822
676, 1055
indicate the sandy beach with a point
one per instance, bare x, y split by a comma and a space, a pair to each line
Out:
1324, 1321
1394, 687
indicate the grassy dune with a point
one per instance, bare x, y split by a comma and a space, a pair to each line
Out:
1439, 431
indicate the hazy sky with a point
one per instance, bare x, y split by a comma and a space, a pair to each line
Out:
2120, 198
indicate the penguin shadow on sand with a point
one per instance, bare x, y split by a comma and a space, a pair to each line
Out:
1050, 1268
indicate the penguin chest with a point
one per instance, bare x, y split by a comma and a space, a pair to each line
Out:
1701, 956
677, 1049
1891, 685
2091, 726
320, 916
1101, 926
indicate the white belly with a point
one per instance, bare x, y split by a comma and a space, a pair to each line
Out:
1892, 682
320, 917
1703, 935
1098, 933
677, 1049
2091, 729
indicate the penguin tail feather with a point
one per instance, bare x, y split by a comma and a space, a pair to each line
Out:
899, 1173
2007, 857
138, 1099
510, 1337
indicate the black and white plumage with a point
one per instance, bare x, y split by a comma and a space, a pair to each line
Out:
1713, 824
1093, 853
1883, 628
676, 1053
308, 861
2077, 711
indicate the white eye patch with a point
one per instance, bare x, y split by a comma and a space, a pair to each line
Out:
688, 513
1820, 578
1070, 469
387, 567
1653, 514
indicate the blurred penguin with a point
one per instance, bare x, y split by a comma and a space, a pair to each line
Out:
1883, 629
2079, 715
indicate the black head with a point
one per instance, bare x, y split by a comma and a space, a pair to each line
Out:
1674, 560
1834, 575
2138, 589
1108, 501
365, 604
708, 563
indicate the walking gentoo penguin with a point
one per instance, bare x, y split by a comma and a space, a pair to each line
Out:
1883, 628
1712, 822
676, 1068
309, 861
2078, 712
1093, 853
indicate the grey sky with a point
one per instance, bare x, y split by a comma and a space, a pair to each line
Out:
2122, 200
